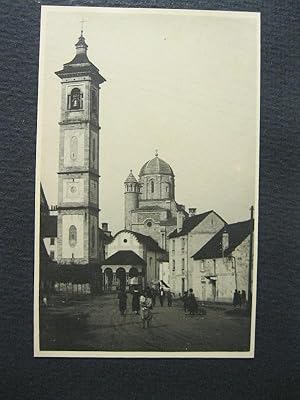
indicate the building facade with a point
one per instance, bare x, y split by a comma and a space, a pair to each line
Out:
133, 258
191, 234
222, 265
150, 205
78, 175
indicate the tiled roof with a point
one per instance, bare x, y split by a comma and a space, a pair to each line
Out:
189, 223
237, 233
131, 178
124, 257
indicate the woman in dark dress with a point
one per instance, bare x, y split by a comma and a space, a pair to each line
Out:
192, 304
122, 296
136, 301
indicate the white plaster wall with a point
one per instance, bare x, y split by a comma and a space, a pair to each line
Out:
67, 250
68, 161
118, 244
73, 190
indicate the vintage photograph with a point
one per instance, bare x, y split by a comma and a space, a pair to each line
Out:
147, 183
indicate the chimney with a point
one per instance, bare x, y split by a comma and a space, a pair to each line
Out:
180, 219
104, 226
192, 211
225, 240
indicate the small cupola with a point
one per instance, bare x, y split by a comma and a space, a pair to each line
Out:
81, 46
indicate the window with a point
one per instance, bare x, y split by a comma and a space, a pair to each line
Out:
173, 265
163, 240
52, 241
73, 236
182, 264
52, 255
149, 224
150, 261
182, 245
173, 245
73, 148
152, 186
125, 240
75, 99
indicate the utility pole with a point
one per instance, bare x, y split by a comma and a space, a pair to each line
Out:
250, 259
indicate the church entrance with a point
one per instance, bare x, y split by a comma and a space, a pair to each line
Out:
121, 278
108, 279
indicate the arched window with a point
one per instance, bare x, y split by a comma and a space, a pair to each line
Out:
152, 186
93, 237
72, 235
73, 148
75, 99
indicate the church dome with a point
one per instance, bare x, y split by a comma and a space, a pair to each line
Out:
156, 166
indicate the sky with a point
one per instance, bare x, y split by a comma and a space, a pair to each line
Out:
183, 82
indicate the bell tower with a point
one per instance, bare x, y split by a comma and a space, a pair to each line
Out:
78, 174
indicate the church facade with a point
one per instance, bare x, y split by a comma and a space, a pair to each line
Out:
150, 205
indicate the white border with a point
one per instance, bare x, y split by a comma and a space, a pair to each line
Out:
137, 354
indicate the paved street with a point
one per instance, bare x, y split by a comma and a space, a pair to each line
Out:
95, 324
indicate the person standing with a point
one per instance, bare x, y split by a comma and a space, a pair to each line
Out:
185, 301
145, 306
235, 298
169, 298
239, 299
135, 301
122, 296
243, 298
192, 303
153, 296
161, 296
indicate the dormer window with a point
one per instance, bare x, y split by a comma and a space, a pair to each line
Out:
75, 100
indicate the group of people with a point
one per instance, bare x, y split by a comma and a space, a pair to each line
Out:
143, 302
190, 304
239, 299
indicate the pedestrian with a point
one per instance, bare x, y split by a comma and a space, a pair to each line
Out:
153, 296
235, 298
239, 299
192, 304
145, 306
122, 296
161, 296
169, 298
136, 300
243, 298
185, 301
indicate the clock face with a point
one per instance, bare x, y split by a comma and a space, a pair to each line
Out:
73, 189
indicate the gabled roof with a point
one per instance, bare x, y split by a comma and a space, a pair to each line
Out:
124, 257
150, 243
190, 223
237, 233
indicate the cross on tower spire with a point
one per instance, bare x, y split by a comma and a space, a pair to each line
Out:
156, 153
82, 22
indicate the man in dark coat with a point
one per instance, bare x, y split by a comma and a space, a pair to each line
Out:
235, 298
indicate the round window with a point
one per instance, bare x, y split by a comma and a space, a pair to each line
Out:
149, 224
125, 240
